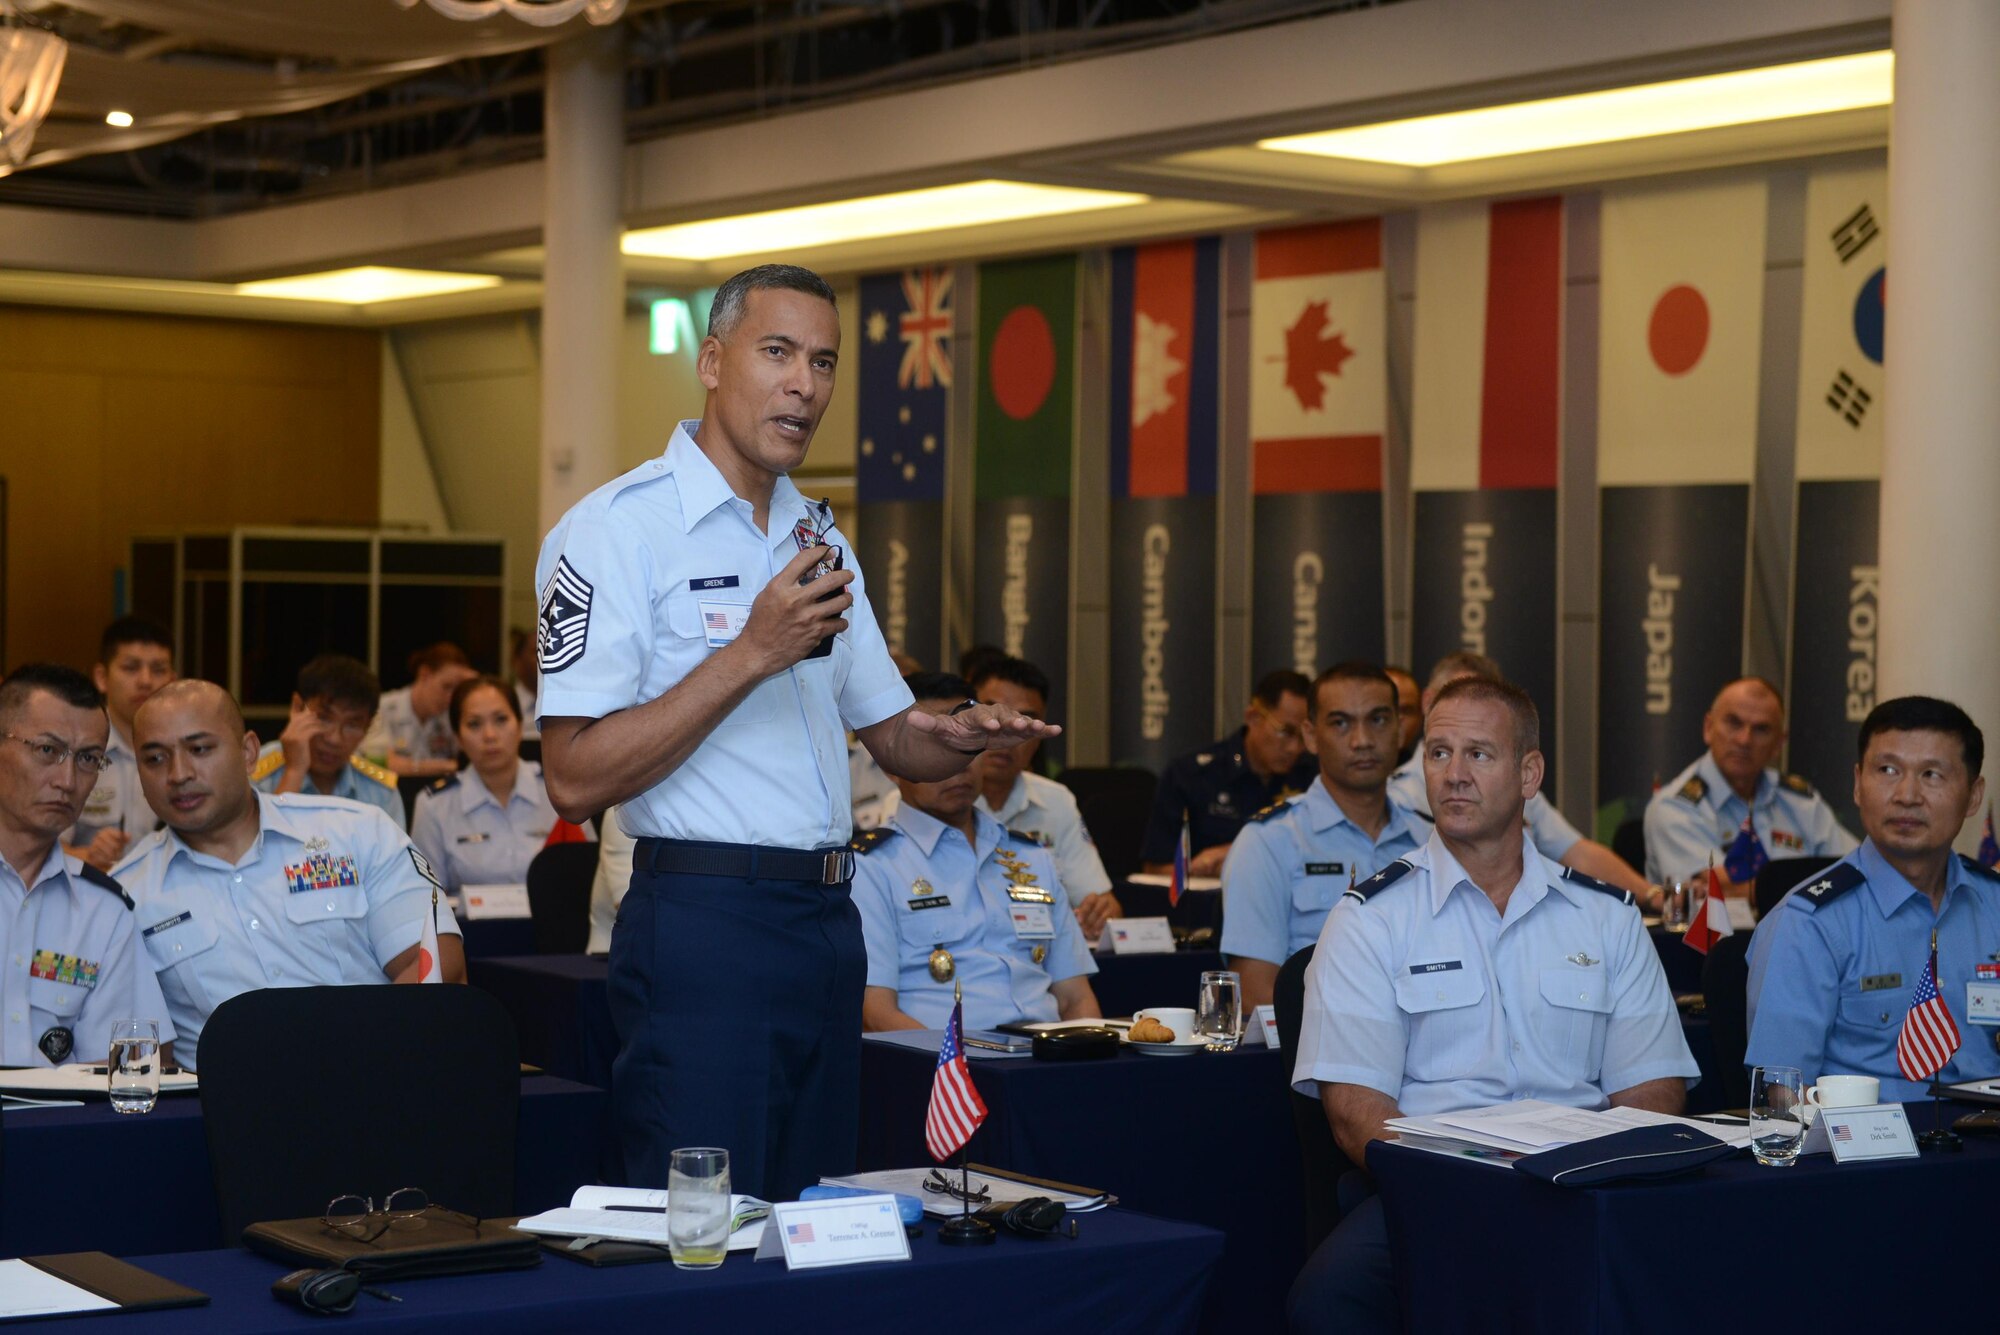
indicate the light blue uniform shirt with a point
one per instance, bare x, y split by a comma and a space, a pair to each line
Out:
329, 892
1553, 836
1694, 818
923, 886
360, 781
1047, 813
69, 960
472, 839
639, 583
116, 800
1286, 870
1419, 990
1832, 969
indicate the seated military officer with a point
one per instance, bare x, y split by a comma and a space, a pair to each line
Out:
484, 824
1694, 817
331, 706
413, 732
244, 890
70, 964
946, 895
1473, 972
1295, 857
135, 657
1832, 968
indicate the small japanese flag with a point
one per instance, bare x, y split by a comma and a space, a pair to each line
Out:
428, 968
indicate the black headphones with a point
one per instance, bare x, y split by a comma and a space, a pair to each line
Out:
325, 1292
1036, 1217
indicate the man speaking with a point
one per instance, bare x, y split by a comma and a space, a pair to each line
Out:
704, 642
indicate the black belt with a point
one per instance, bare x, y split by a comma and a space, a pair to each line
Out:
749, 862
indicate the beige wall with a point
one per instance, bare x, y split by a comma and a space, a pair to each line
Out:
113, 425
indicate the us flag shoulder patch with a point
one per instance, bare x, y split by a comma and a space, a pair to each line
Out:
565, 618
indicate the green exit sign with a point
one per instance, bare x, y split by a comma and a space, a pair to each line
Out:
673, 326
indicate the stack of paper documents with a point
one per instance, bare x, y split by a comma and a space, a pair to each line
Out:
639, 1214
1507, 1131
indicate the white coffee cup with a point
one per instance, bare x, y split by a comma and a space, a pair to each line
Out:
1845, 1091
1180, 1019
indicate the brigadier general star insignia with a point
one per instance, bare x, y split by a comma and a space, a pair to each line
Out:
564, 624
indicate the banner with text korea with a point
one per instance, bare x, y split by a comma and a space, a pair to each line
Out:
1021, 464
903, 410
1165, 336
1318, 418
1679, 334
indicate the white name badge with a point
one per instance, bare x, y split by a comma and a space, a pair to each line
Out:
1264, 1022
721, 622
1033, 922
1141, 936
1878, 1131
851, 1230
1982, 1003
494, 901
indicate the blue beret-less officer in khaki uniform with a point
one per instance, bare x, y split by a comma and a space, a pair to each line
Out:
948, 897
70, 963
705, 646
245, 890
1832, 968
1472, 973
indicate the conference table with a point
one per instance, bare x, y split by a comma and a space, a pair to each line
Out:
1125, 1274
1206, 1138
1887, 1245
89, 1179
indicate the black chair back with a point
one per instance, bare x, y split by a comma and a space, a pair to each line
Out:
407, 788
309, 1093
1628, 841
1725, 982
559, 882
1775, 880
1116, 801
1324, 1163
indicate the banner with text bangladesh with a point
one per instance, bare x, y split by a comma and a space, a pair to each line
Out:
1835, 580
1022, 452
904, 410
1485, 432
1678, 340
1319, 388
1165, 332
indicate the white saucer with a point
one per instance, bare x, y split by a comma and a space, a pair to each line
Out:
1180, 1047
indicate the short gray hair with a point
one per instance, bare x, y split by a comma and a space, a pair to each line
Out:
731, 297
1520, 707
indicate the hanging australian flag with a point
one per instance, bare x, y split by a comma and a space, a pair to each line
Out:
904, 410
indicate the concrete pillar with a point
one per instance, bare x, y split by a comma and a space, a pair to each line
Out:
1940, 544
583, 287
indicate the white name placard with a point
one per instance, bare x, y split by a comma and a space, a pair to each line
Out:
850, 1230
494, 901
1264, 1024
1878, 1131
1982, 1002
1141, 936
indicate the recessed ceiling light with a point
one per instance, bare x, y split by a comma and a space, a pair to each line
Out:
118, 120
367, 285
1710, 101
967, 205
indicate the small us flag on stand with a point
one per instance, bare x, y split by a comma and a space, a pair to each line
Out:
1929, 1036
956, 1108
1989, 847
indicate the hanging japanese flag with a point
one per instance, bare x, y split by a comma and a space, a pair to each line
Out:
1712, 923
428, 968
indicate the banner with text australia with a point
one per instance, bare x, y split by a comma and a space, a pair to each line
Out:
1318, 415
1165, 330
1022, 451
1484, 438
1682, 310
904, 408
1835, 582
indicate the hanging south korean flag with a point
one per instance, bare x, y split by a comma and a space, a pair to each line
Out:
1835, 606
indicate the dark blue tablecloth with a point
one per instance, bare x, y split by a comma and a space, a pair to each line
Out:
1888, 1246
1681, 961
490, 937
89, 1179
1127, 1274
1206, 1138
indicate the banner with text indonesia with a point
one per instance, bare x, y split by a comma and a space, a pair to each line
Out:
1484, 440
1319, 389
1682, 310
904, 412
1835, 603
1022, 453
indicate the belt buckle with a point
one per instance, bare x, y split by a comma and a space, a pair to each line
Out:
839, 866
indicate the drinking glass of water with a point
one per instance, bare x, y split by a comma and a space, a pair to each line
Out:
698, 1208
1219, 1017
1777, 1115
135, 1065
1676, 904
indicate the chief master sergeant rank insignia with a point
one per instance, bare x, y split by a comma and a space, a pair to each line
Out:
565, 618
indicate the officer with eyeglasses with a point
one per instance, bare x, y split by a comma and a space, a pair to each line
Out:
70, 963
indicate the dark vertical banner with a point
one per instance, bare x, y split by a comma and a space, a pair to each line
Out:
1671, 586
1022, 453
903, 413
1165, 335
1836, 605
1484, 576
1318, 416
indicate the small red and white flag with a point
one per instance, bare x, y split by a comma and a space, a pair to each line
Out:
428, 968
1712, 923
1178, 886
956, 1108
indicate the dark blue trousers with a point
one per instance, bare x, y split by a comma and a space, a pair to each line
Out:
738, 1010
1348, 1285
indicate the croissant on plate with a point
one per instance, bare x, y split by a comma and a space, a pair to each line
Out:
1148, 1030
